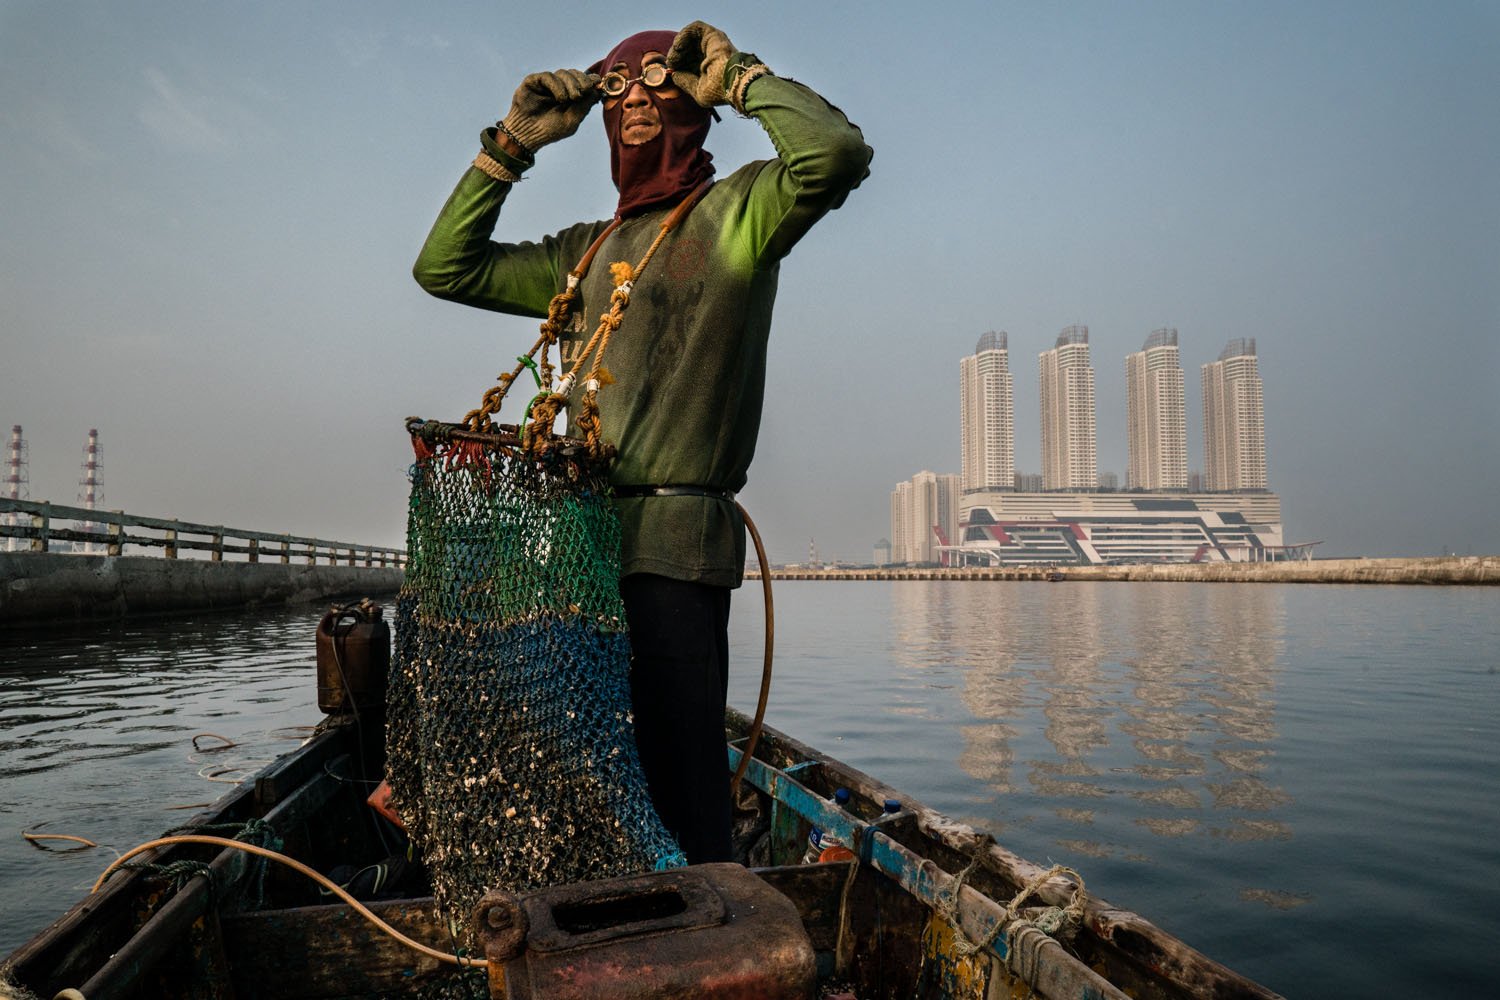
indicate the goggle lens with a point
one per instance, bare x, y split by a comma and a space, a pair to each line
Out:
615, 84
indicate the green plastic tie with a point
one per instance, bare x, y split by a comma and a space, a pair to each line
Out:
530, 362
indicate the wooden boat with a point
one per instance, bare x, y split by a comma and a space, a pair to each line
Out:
928, 908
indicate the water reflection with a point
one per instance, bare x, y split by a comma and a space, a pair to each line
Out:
96, 735
1159, 700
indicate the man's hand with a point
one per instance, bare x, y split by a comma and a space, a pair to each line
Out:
699, 55
550, 106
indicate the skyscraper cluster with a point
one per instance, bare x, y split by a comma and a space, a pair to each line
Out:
1072, 513
1156, 418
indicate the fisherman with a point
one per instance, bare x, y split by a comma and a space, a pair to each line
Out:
686, 368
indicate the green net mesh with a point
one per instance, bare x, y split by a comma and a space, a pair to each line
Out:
512, 758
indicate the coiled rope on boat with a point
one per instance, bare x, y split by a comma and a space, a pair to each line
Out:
297, 866
1057, 922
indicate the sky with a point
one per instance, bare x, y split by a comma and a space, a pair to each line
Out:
209, 212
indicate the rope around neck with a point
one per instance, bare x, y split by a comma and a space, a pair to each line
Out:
535, 430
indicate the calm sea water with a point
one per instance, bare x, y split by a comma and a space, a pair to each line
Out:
1300, 781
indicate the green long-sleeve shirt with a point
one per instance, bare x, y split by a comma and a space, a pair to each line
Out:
689, 360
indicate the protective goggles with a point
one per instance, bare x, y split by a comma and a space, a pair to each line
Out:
614, 84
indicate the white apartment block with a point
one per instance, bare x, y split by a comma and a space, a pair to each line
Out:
900, 501
1069, 455
987, 421
1156, 415
924, 517
1234, 423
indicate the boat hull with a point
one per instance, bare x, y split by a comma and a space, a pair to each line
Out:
928, 908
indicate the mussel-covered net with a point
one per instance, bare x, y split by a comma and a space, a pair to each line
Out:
511, 755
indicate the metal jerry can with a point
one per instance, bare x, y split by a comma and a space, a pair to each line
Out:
708, 932
354, 656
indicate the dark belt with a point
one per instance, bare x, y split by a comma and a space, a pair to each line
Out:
632, 492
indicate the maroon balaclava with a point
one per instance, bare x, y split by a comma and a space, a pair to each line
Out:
673, 164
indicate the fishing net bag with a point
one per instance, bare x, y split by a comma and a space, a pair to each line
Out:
511, 754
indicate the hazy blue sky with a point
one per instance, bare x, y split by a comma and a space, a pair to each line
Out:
208, 214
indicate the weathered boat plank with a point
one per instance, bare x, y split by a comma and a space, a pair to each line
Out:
815, 891
329, 952
282, 777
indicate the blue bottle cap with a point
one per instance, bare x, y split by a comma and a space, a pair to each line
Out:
841, 796
892, 805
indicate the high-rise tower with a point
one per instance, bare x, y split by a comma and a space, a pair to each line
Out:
1234, 422
1155, 415
987, 418
1069, 456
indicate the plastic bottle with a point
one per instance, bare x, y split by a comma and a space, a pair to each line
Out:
820, 842
814, 846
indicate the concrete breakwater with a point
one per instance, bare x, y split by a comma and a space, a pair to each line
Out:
1434, 570
47, 586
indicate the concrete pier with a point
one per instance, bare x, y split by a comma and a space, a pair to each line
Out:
1436, 570
47, 586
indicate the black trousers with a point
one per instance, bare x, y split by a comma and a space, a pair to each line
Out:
679, 676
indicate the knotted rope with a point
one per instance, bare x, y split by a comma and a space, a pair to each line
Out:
558, 311
535, 428
1054, 921
255, 832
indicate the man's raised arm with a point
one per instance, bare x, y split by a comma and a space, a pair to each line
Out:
459, 261
821, 155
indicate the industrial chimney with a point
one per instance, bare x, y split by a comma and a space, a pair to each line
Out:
93, 489
15, 481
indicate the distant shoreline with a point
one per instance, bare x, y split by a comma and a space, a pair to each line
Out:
1435, 570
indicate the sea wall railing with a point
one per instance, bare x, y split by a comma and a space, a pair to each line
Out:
40, 526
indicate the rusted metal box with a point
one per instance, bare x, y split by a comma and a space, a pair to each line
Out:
708, 932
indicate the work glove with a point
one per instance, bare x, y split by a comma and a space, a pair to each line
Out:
698, 57
549, 106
